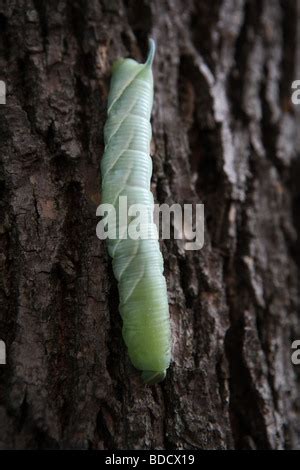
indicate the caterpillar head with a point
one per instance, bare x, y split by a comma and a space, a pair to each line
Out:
151, 377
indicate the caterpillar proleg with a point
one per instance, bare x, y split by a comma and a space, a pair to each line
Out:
137, 264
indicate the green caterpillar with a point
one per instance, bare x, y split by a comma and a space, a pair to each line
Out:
138, 264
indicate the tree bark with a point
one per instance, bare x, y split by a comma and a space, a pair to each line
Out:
224, 134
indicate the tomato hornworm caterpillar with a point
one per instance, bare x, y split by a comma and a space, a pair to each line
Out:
138, 264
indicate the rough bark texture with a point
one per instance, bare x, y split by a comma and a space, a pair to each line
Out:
225, 134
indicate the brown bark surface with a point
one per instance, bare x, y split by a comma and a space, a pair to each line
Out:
225, 133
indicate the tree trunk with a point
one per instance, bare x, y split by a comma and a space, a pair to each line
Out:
224, 134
